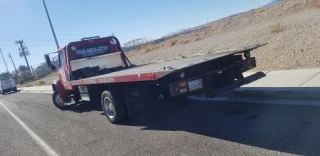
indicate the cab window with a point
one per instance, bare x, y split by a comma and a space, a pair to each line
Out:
61, 59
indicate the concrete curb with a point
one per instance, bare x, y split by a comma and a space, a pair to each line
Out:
260, 101
298, 93
37, 91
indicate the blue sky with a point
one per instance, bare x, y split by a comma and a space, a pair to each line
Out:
127, 19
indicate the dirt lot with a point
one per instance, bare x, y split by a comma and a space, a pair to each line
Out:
291, 29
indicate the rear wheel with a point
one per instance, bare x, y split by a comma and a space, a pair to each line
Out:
57, 101
114, 110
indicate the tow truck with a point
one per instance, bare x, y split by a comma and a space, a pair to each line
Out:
96, 69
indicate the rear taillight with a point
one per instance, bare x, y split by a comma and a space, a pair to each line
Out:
182, 84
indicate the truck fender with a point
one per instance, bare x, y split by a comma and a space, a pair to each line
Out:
57, 85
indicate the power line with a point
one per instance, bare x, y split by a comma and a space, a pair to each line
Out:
29, 45
31, 37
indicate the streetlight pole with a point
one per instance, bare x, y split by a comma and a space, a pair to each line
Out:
54, 34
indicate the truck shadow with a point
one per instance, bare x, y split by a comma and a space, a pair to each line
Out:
286, 128
293, 129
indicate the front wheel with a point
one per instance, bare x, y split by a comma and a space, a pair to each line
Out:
114, 111
57, 101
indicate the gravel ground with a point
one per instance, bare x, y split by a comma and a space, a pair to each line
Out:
291, 30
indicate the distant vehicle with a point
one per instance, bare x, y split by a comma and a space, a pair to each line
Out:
96, 69
7, 86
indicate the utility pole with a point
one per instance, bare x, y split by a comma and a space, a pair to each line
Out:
54, 34
23, 52
13, 64
4, 62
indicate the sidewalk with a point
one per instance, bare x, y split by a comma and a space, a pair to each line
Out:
37, 89
285, 84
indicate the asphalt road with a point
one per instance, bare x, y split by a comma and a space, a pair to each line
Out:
197, 128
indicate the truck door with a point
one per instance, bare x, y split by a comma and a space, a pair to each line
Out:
62, 69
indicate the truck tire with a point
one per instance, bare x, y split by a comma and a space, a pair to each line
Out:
114, 110
57, 101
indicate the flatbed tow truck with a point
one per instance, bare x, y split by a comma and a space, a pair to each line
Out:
97, 70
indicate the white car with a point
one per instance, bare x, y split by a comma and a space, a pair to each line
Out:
7, 86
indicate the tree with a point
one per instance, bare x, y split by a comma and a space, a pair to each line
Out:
23, 71
5, 76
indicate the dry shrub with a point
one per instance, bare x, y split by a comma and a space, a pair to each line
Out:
296, 7
148, 48
199, 38
41, 83
28, 85
131, 53
172, 42
313, 3
276, 28
185, 41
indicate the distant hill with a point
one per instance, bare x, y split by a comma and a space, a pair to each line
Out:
275, 1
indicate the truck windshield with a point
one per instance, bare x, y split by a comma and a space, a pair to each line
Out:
90, 51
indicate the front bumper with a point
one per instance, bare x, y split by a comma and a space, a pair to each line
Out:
9, 89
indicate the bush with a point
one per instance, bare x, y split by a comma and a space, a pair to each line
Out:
185, 41
28, 85
172, 42
313, 3
276, 28
41, 83
148, 48
199, 38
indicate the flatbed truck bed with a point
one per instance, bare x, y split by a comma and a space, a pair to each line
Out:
154, 71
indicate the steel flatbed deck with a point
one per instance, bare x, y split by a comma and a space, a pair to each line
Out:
155, 71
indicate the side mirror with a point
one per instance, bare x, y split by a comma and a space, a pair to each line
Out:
53, 68
47, 58
48, 61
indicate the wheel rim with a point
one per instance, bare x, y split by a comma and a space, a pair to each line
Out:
59, 100
109, 107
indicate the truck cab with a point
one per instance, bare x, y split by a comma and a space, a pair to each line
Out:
89, 57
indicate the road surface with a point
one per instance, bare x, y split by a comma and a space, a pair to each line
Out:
197, 128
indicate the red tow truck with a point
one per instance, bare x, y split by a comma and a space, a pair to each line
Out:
97, 70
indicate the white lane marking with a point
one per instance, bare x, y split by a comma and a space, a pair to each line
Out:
33, 135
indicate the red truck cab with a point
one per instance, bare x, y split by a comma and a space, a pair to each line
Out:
83, 50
